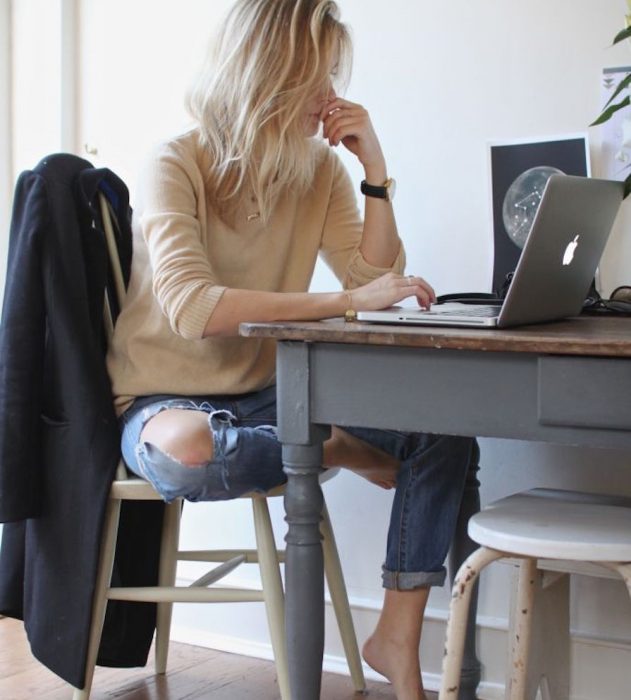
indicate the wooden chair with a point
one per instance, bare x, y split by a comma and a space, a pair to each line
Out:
166, 592
545, 529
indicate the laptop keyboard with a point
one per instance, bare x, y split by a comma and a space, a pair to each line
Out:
479, 311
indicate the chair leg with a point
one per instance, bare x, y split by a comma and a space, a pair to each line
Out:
273, 594
166, 577
339, 598
520, 643
99, 603
457, 623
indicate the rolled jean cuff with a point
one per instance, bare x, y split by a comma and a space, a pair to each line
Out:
409, 580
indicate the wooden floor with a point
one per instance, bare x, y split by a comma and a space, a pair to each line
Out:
193, 673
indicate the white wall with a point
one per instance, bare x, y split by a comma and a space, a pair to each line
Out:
440, 79
6, 164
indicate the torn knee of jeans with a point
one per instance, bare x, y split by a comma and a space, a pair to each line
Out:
156, 454
152, 450
224, 433
169, 476
218, 419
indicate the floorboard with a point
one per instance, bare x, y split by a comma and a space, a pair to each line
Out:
193, 673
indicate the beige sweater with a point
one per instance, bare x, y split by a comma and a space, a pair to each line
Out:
185, 256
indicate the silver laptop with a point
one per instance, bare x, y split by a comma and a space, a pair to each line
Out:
556, 267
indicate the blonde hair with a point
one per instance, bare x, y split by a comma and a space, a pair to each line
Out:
271, 58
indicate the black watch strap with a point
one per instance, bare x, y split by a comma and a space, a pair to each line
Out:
385, 191
380, 191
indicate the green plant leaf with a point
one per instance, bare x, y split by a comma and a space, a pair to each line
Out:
624, 83
610, 111
621, 36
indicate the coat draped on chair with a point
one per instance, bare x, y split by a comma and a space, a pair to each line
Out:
59, 436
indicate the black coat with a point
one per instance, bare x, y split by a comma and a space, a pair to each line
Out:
59, 437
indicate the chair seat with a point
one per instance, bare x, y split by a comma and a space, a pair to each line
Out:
137, 489
555, 524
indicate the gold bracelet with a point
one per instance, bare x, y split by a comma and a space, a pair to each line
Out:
350, 314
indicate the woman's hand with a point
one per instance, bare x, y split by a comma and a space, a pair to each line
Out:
349, 123
390, 289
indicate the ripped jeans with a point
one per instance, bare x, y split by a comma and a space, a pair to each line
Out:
436, 472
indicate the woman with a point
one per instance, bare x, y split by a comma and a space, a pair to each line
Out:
230, 218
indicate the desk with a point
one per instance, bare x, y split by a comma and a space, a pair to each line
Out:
567, 382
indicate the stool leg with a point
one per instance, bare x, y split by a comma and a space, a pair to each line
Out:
272, 591
463, 546
520, 642
547, 668
339, 598
457, 623
166, 577
99, 604
623, 570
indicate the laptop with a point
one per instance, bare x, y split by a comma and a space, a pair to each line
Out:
556, 267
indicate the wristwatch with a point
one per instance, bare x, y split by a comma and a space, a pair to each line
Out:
385, 191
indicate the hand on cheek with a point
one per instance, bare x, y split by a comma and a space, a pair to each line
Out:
349, 124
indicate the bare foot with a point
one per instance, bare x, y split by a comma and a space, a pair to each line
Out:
388, 658
371, 463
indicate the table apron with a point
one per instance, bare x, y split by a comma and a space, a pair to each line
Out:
550, 398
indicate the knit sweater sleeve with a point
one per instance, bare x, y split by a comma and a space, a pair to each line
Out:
342, 235
171, 192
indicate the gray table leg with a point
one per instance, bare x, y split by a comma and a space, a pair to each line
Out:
304, 568
461, 548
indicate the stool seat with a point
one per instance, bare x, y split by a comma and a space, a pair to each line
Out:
540, 524
557, 524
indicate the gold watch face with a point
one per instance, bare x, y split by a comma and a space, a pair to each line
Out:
391, 188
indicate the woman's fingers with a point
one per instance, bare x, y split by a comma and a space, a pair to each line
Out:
338, 104
392, 288
351, 122
417, 286
347, 120
343, 127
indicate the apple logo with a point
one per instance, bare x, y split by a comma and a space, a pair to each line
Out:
568, 256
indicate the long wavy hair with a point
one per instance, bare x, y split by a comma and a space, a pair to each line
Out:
271, 57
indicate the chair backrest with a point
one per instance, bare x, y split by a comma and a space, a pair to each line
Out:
109, 222
109, 316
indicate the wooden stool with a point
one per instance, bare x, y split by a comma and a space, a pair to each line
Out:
541, 524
